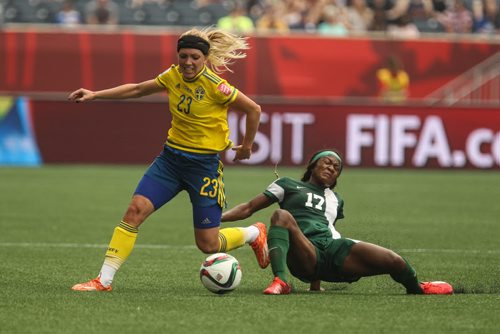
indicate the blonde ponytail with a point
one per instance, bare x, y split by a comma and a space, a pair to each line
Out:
225, 47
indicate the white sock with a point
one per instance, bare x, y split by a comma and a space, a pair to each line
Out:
106, 275
250, 233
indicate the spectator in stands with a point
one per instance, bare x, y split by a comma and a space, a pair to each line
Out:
399, 22
68, 16
237, 21
403, 27
492, 11
393, 81
439, 5
456, 18
333, 22
272, 20
318, 11
256, 8
199, 3
141, 3
397, 9
103, 12
423, 14
295, 12
380, 8
485, 16
481, 24
312, 16
359, 15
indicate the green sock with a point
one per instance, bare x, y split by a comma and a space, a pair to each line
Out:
278, 244
408, 278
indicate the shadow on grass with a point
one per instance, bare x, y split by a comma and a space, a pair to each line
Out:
477, 289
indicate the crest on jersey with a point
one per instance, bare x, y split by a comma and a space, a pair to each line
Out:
199, 93
225, 89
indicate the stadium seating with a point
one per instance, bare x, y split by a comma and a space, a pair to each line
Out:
196, 13
174, 12
29, 11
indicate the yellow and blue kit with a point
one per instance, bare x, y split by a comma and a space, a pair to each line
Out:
190, 159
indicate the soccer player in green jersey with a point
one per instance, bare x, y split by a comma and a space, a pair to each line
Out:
198, 103
303, 238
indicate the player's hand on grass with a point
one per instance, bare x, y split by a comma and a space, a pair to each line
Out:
315, 286
81, 95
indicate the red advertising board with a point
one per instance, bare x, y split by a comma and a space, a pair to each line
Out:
368, 136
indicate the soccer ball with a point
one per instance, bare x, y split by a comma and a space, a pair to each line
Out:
220, 273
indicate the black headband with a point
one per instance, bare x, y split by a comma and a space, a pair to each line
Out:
193, 42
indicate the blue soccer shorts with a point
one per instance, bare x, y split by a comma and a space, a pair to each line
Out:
201, 175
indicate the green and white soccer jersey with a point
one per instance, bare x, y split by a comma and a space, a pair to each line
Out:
316, 209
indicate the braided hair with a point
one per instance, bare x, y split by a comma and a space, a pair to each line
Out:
314, 160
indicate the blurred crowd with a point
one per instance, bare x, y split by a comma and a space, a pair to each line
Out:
397, 18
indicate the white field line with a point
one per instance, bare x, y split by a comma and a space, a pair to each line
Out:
166, 246
452, 251
77, 245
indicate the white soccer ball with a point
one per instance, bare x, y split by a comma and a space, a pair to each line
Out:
220, 273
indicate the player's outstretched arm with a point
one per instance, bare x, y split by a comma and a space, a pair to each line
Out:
245, 210
126, 91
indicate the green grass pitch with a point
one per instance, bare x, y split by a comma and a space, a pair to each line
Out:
56, 221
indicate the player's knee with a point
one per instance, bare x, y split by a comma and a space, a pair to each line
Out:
283, 218
208, 247
396, 262
136, 213
133, 210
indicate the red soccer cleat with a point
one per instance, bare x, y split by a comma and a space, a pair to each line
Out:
278, 287
259, 246
92, 285
436, 288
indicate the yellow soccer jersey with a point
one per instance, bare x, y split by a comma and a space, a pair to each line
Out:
199, 110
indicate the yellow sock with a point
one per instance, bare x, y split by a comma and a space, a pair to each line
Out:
121, 245
231, 238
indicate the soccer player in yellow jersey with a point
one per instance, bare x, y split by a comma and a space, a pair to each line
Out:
393, 82
198, 102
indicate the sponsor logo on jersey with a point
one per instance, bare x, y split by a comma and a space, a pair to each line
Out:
199, 93
225, 89
186, 88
